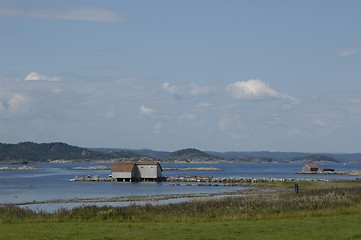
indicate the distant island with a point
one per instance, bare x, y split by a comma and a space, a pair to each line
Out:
23, 168
57, 152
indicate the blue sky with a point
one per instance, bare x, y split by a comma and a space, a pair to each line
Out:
214, 75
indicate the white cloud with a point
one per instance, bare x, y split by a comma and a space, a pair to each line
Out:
197, 90
81, 14
255, 89
18, 103
191, 89
14, 103
171, 89
33, 76
350, 51
146, 110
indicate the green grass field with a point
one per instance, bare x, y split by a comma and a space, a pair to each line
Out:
327, 210
323, 227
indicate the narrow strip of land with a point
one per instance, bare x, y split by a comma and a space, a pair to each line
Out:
240, 192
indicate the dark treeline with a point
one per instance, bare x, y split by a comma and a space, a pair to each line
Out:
39, 152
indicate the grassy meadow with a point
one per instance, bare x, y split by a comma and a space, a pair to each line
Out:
322, 210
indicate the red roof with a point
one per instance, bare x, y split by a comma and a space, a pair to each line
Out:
123, 166
128, 166
311, 165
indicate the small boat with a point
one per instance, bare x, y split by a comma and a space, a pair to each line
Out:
73, 179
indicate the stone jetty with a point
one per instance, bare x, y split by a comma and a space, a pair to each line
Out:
236, 180
206, 179
193, 169
94, 178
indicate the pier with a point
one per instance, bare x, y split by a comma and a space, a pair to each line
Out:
206, 179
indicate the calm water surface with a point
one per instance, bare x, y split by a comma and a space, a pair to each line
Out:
53, 183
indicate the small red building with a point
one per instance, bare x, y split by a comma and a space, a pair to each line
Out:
310, 168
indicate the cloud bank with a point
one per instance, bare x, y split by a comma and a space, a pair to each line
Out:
33, 76
17, 103
146, 110
255, 89
191, 89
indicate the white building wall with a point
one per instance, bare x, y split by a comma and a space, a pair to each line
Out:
122, 174
149, 170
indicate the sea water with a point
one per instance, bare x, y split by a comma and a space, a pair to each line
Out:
52, 182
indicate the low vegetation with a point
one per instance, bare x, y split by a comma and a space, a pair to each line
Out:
333, 207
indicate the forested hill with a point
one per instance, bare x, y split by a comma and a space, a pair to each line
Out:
191, 155
39, 152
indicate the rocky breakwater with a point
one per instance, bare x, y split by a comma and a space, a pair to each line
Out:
206, 179
354, 172
193, 169
236, 180
23, 168
94, 179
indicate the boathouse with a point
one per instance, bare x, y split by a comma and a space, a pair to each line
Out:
137, 171
309, 168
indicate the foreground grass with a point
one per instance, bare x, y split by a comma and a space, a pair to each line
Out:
327, 227
327, 211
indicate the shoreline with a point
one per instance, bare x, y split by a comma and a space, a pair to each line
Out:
240, 192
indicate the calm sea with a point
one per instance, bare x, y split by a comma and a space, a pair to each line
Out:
52, 183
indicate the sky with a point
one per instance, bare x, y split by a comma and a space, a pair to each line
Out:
233, 75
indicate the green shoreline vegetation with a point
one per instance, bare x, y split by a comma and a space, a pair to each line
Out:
321, 210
